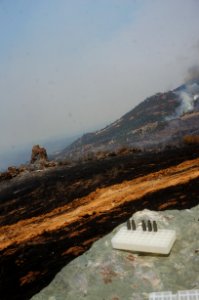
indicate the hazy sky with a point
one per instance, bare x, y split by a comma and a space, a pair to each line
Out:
70, 66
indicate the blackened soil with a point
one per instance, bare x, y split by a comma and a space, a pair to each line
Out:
41, 192
26, 268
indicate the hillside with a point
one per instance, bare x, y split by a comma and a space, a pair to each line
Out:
158, 121
51, 212
49, 217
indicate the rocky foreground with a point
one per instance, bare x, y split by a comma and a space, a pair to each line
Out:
48, 217
103, 273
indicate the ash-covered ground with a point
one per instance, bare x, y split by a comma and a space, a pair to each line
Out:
50, 217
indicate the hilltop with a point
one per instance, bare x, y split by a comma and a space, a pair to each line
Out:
159, 121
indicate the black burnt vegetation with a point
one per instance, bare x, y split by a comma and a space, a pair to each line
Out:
28, 267
40, 192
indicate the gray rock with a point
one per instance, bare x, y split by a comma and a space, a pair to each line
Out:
103, 273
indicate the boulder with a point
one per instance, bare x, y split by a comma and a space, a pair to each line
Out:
105, 273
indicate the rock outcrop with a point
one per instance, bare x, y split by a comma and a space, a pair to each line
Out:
38, 154
105, 273
13, 172
39, 161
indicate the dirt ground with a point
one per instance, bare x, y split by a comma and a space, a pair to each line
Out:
50, 217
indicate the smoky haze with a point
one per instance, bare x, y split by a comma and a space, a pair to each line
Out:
192, 74
190, 94
69, 67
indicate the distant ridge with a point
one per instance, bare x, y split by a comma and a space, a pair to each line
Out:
160, 120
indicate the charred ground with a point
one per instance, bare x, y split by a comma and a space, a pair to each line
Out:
28, 263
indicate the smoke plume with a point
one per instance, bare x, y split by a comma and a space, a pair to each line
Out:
186, 105
191, 94
192, 74
187, 99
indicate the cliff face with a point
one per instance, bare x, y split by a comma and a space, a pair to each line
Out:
48, 217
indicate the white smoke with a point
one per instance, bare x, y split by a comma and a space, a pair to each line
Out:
193, 88
186, 105
187, 98
189, 95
